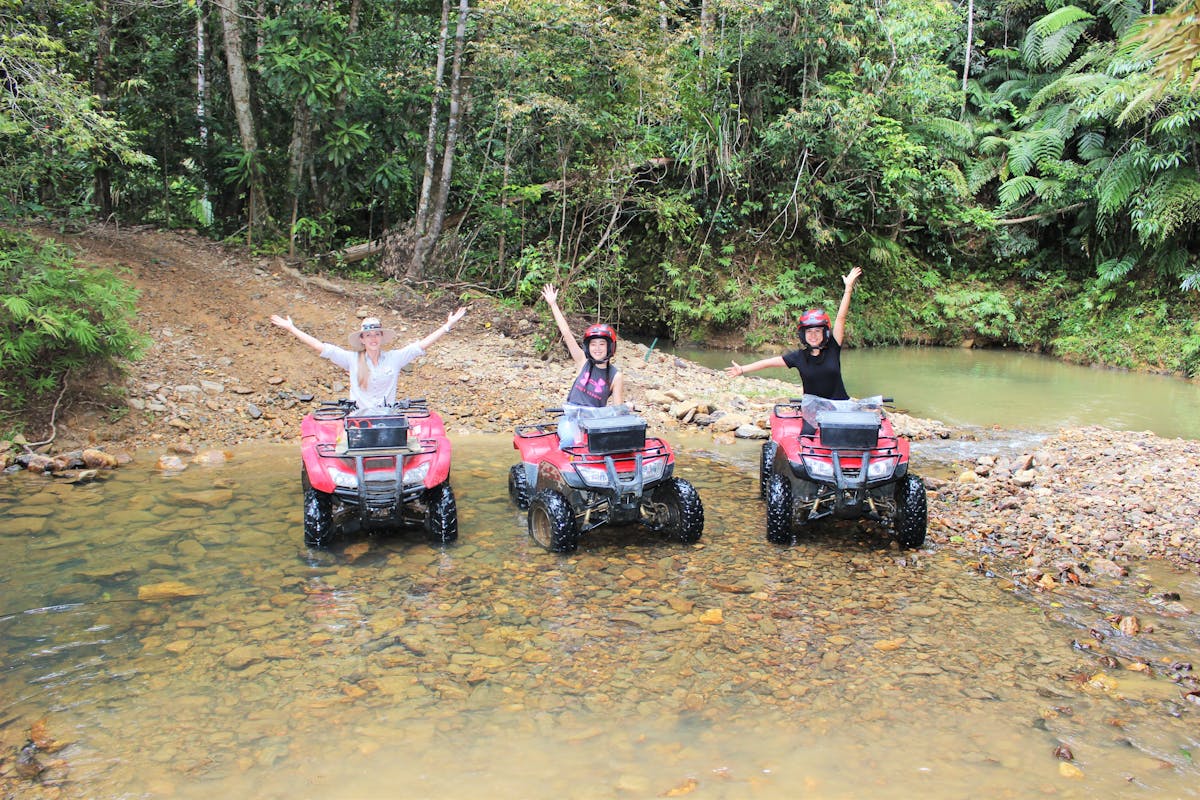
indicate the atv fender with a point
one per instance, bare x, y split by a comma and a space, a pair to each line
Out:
549, 477
439, 470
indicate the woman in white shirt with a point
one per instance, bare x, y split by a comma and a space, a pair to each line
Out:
373, 371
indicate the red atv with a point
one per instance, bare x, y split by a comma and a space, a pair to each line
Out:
381, 471
840, 459
613, 475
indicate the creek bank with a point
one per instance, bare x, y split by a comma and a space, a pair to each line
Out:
1087, 502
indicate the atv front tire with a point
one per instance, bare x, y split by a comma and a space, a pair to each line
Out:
518, 486
552, 522
682, 512
779, 509
318, 514
764, 466
912, 517
441, 514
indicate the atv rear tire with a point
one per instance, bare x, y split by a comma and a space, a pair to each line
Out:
518, 486
779, 509
683, 513
764, 467
441, 514
318, 514
552, 522
912, 516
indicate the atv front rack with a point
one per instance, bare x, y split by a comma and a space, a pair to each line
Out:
414, 408
328, 450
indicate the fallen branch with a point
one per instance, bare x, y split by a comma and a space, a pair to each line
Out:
309, 280
1044, 215
354, 253
53, 428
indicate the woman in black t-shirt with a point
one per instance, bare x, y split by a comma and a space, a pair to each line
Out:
819, 359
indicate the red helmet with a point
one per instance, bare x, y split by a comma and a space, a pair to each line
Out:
814, 318
600, 331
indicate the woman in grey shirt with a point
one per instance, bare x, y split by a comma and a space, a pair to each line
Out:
374, 372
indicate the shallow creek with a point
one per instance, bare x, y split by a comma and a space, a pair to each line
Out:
385, 667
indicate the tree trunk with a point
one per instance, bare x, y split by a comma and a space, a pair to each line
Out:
967, 55
428, 237
421, 218
201, 76
103, 174
239, 89
297, 156
339, 105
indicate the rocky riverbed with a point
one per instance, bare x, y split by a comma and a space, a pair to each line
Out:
1084, 507
218, 375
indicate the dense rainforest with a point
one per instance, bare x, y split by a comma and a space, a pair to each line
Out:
1018, 173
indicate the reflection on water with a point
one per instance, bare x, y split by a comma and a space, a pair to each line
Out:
1013, 390
387, 668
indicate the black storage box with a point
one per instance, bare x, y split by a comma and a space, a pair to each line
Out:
370, 433
614, 434
848, 430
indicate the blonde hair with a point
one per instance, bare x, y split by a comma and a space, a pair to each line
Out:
364, 370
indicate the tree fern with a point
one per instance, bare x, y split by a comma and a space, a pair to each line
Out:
1124, 175
951, 130
981, 172
1060, 19
1016, 189
1114, 269
1071, 87
1092, 145
1028, 149
1122, 14
1050, 41
1168, 205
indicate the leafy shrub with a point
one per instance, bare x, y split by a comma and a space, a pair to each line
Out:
56, 316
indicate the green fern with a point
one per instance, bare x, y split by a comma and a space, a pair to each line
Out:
1124, 175
1170, 204
1060, 19
1092, 145
1016, 189
1028, 149
1051, 40
56, 316
1114, 269
1072, 87
951, 130
980, 172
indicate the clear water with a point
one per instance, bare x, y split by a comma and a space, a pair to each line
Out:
1019, 391
388, 668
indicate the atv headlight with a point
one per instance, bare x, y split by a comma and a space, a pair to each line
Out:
818, 468
344, 480
883, 468
593, 476
417, 475
653, 470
